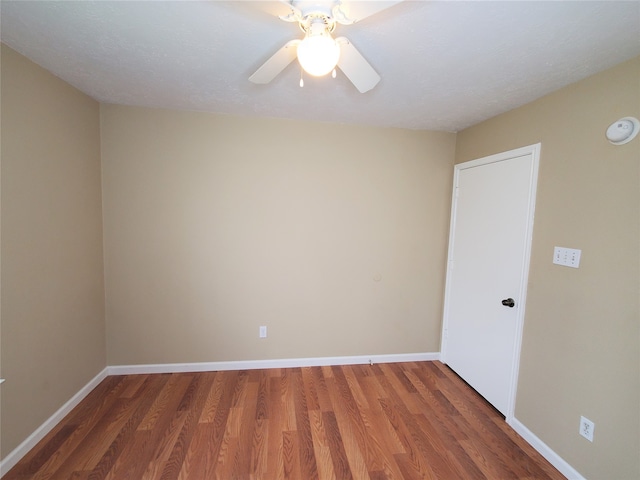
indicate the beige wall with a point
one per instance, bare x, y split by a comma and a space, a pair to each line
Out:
215, 225
53, 331
581, 346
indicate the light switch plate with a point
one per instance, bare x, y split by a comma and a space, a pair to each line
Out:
569, 257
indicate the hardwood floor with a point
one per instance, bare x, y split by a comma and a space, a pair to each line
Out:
387, 421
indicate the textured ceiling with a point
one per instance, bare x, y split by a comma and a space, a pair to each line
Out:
444, 65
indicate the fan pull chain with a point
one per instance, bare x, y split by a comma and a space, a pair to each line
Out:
333, 74
301, 79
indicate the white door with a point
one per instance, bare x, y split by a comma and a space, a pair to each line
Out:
489, 249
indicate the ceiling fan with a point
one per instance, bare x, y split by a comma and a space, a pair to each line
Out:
318, 52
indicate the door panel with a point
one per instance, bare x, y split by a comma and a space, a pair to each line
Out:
488, 262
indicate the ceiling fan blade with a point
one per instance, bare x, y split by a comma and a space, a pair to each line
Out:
277, 63
348, 12
355, 67
293, 13
275, 8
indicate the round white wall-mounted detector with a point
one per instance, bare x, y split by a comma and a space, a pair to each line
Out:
623, 130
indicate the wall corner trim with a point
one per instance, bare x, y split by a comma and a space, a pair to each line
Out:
21, 450
542, 448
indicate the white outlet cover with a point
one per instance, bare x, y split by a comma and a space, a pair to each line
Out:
586, 428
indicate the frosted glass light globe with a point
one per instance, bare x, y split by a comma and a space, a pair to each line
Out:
318, 54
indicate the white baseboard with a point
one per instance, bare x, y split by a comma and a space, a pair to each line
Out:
542, 448
277, 363
21, 450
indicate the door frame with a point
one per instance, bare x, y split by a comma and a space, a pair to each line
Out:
534, 151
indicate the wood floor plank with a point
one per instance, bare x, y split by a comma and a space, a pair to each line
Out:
149, 437
526, 453
311, 393
290, 456
351, 376
227, 457
324, 399
349, 413
275, 461
124, 414
208, 441
30, 465
100, 398
242, 459
229, 442
408, 467
440, 418
153, 455
377, 420
167, 401
201, 460
262, 401
106, 441
413, 420
192, 403
412, 462
81, 420
121, 421
434, 449
474, 417
318, 434
288, 413
306, 452
135, 384
350, 445
321, 446
470, 419
260, 434
394, 407
336, 446
224, 382
259, 448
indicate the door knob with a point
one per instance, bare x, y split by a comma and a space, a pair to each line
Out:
508, 302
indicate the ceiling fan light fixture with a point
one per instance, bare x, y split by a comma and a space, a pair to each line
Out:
318, 53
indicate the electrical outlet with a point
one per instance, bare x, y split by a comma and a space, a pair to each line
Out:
586, 428
263, 331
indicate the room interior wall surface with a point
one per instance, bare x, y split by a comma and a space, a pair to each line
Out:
332, 236
53, 329
581, 344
